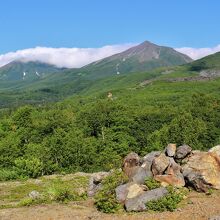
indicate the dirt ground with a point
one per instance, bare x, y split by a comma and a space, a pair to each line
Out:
196, 207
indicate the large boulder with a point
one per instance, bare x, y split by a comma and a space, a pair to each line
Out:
216, 150
138, 203
132, 168
139, 175
128, 191
170, 150
148, 160
172, 176
160, 164
183, 151
202, 170
95, 182
130, 164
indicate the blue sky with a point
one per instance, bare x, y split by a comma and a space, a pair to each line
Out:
95, 23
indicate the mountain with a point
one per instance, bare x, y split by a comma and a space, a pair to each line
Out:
34, 82
22, 71
208, 62
143, 57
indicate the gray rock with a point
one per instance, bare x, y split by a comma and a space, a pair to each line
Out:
128, 190
160, 164
95, 182
149, 157
140, 175
182, 151
34, 194
170, 150
130, 164
147, 162
138, 203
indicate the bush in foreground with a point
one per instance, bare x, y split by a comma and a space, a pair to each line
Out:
105, 199
167, 203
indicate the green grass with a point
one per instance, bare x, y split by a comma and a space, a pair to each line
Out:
58, 189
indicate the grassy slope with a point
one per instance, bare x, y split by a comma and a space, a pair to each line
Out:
57, 87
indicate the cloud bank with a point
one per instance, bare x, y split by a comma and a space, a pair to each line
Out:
78, 57
63, 57
197, 53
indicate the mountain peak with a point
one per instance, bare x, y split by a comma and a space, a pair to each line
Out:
143, 57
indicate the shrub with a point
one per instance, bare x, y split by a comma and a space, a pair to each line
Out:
167, 203
8, 175
32, 167
60, 194
151, 183
29, 201
105, 199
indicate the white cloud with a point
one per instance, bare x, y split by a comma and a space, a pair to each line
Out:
197, 53
78, 57
63, 57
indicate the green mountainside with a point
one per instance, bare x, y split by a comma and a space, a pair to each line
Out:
23, 71
35, 82
144, 57
90, 132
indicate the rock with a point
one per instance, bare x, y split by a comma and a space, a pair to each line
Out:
131, 167
128, 190
34, 194
122, 192
217, 217
139, 175
216, 150
134, 190
170, 150
202, 171
173, 180
130, 164
160, 164
173, 175
147, 162
183, 151
138, 203
95, 182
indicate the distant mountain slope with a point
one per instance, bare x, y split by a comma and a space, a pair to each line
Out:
34, 82
21, 71
144, 57
208, 62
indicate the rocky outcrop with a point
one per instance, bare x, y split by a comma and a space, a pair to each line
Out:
176, 166
202, 171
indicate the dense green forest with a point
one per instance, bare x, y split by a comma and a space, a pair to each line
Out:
92, 133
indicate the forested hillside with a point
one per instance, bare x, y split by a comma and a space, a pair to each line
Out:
92, 133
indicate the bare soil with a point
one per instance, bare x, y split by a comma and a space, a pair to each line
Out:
197, 206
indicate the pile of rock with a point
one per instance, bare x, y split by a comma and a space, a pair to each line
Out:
176, 166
